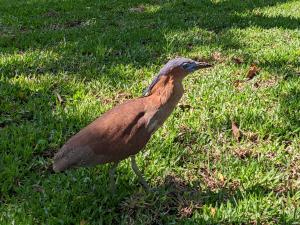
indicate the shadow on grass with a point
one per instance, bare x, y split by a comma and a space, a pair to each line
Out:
31, 130
91, 38
289, 111
68, 37
85, 193
178, 200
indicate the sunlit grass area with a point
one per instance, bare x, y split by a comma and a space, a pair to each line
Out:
64, 63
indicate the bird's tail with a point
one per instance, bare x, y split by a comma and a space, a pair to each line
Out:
69, 157
61, 161
58, 164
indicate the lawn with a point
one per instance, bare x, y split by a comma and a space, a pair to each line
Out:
64, 63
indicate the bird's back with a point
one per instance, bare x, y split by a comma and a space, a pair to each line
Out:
114, 136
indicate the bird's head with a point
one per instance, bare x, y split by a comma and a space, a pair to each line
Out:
176, 68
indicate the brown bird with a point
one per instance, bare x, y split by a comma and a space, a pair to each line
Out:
125, 129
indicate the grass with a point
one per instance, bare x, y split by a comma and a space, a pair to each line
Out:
95, 54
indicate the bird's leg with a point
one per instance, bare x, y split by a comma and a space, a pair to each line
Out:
112, 171
138, 173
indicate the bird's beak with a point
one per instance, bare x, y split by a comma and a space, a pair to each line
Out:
202, 65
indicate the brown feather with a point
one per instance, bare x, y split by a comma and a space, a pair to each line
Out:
109, 138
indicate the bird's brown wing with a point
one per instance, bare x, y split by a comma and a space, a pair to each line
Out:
115, 135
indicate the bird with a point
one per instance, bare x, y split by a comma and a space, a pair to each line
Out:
124, 130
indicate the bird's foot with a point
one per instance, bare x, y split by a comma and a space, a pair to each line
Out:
138, 173
112, 182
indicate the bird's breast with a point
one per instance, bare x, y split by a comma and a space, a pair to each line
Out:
157, 117
163, 105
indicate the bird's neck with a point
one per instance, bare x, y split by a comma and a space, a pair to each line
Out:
167, 92
164, 97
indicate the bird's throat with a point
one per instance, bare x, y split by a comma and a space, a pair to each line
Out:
164, 98
168, 91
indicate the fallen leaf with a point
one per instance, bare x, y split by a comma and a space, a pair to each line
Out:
266, 83
211, 179
271, 155
253, 71
253, 222
242, 153
82, 222
59, 98
122, 96
234, 185
186, 211
217, 56
238, 83
235, 131
221, 177
237, 60
251, 136
213, 211
256, 85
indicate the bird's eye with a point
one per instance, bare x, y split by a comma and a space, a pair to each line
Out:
185, 65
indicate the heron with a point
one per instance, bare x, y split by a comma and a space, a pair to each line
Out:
124, 130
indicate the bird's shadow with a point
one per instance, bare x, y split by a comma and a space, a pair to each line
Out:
175, 197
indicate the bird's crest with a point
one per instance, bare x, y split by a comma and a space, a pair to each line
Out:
171, 64
147, 91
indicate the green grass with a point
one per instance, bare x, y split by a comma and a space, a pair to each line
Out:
95, 54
